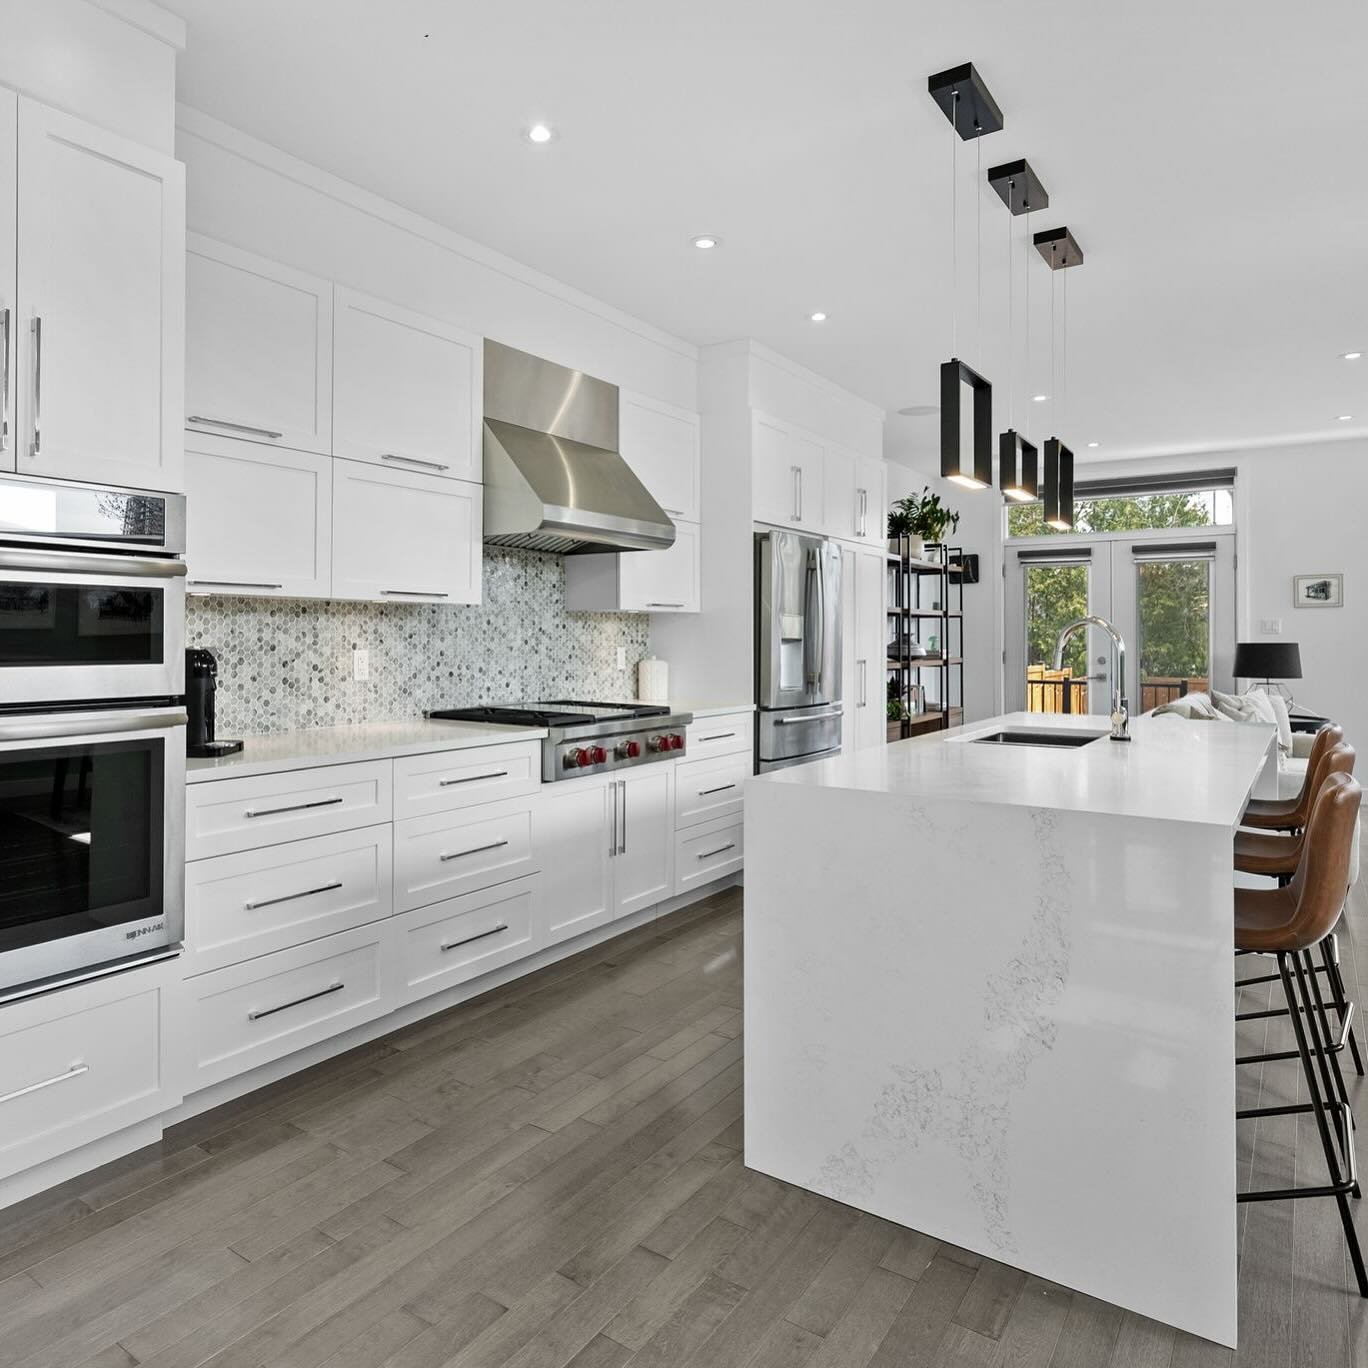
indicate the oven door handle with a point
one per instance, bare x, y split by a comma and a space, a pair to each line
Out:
42, 727
89, 563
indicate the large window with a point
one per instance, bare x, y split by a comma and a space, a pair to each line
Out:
1129, 512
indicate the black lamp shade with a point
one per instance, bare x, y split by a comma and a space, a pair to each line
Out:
1267, 660
1017, 467
1059, 477
966, 426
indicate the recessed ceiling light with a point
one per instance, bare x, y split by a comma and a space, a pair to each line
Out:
818, 317
540, 133
1039, 398
705, 242
1094, 444
1343, 417
1350, 356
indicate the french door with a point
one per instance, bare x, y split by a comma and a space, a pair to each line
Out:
1170, 595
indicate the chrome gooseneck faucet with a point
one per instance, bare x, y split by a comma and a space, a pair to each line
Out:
1120, 709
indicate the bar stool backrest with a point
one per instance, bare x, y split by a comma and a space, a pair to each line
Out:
1321, 882
1329, 735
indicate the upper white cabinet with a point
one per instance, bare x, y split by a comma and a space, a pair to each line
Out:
258, 349
9, 315
98, 310
401, 537
786, 475
871, 501
661, 444
258, 522
638, 581
406, 389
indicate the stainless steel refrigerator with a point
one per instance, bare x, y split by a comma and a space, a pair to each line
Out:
797, 649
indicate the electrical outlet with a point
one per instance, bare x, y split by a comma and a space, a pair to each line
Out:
360, 663
622, 657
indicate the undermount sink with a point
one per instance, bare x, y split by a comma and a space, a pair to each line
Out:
1020, 736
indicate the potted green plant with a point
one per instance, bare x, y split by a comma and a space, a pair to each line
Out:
917, 519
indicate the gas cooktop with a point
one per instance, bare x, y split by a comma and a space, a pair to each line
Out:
559, 712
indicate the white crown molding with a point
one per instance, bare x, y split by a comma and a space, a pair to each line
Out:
147, 18
196, 124
1290, 442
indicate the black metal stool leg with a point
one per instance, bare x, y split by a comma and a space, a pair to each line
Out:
1328, 1056
1329, 949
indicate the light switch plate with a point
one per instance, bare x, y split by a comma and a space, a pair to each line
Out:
622, 657
1270, 626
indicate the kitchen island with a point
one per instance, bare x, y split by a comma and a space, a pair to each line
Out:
989, 995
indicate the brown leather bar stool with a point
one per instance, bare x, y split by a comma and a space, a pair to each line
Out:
1287, 922
1290, 814
1276, 856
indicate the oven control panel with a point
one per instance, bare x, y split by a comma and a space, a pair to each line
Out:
603, 754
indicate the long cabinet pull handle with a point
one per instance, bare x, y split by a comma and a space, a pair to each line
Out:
474, 850
479, 935
415, 593
37, 443
472, 778
293, 807
716, 736
797, 473
863, 675
721, 788
817, 717
235, 584
613, 821
75, 1071
234, 427
664, 605
4, 381
413, 460
708, 854
335, 986
622, 843
290, 897
863, 530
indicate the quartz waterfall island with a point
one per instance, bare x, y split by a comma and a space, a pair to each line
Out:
989, 995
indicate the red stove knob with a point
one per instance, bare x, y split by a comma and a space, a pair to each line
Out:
597, 755
632, 749
676, 741
576, 758
659, 743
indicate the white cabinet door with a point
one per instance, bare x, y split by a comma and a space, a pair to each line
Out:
404, 538
572, 833
786, 475
407, 390
842, 509
9, 308
258, 522
258, 348
865, 710
644, 805
661, 445
871, 501
101, 304
663, 581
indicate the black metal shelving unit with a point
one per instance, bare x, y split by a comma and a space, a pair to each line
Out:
926, 600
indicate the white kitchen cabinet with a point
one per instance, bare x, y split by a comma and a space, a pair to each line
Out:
786, 475
638, 581
99, 327
863, 647
641, 866
854, 496
407, 390
450, 853
573, 839
258, 348
400, 537
661, 444
258, 522
9, 305
871, 500
709, 851
710, 788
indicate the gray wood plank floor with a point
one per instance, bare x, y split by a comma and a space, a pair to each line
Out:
551, 1177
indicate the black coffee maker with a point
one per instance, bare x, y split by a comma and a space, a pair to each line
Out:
201, 684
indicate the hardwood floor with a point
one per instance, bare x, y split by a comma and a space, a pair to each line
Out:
551, 1176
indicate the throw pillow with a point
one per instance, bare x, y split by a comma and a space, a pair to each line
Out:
1280, 715
1241, 708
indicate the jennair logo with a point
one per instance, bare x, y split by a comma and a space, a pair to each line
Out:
139, 931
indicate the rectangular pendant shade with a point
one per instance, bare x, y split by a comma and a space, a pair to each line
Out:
1059, 476
966, 426
1018, 476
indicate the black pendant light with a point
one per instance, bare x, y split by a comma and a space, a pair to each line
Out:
966, 396
1020, 190
1061, 251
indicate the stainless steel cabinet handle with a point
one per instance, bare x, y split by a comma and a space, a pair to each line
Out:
4, 382
797, 472
75, 1071
472, 778
717, 850
37, 443
335, 987
413, 460
721, 788
816, 717
290, 897
622, 844
415, 593
613, 821
235, 427
234, 584
292, 807
716, 736
474, 850
664, 605
479, 935
863, 675
862, 527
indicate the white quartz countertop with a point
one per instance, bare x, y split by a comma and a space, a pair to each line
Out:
366, 741
704, 709
1172, 769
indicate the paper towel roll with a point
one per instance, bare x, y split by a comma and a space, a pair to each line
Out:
653, 680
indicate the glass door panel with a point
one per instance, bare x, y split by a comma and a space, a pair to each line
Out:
1056, 595
1173, 610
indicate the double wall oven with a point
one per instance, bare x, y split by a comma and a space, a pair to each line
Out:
92, 729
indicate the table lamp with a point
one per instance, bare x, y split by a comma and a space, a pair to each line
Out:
1268, 661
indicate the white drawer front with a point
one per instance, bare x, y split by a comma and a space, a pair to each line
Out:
462, 938
78, 1064
239, 906
708, 789
448, 780
226, 815
708, 852
453, 853
253, 1013
729, 734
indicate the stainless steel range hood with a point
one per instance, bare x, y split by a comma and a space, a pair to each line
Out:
553, 477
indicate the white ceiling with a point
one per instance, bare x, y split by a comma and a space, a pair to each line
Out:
1208, 156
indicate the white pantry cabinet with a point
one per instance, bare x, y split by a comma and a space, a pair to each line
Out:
865, 690
407, 390
400, 537
258, 522
258, 348
9, 307
661, 444
97, 337
639, 581
787, 475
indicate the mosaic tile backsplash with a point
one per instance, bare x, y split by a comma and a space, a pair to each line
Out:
285, 664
